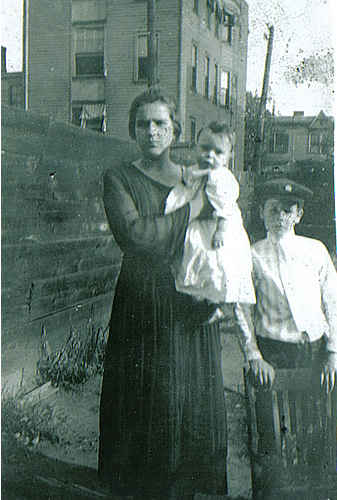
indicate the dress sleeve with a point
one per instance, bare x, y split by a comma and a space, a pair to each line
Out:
222, 190
158, 235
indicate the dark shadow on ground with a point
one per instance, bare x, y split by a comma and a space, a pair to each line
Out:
31, 476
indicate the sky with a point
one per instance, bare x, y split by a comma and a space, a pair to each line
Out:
302, 27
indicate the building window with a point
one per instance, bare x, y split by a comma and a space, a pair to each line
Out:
196, 6
89, 51
217, 20
227, 29
90, 116
316, 143
279, 143
193, 131
216, 84
15, 96
194, 67
224, 88
207, 68
142, 60
209, 12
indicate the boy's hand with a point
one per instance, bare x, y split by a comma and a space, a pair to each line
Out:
329, 373
263, 371
218, 239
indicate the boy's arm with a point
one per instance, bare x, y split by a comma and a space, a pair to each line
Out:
245, 328
328, 280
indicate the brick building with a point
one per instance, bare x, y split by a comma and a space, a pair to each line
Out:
85, 60
11, 84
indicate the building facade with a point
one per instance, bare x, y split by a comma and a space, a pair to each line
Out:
11, 85
298, 140
85, 60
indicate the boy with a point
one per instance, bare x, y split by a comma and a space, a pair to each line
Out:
294, 322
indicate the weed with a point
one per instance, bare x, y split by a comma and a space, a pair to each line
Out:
79, 359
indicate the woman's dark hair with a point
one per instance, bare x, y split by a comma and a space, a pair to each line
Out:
147, 97
219, 128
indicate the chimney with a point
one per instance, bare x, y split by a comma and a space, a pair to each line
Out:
298, 114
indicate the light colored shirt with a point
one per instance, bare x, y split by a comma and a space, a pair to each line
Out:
296, 291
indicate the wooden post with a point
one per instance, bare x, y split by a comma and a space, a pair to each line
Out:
263, 99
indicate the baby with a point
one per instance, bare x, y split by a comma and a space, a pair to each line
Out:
216, 263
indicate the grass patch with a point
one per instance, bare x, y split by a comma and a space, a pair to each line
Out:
30, 421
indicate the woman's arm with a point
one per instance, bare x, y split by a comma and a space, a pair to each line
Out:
159, 234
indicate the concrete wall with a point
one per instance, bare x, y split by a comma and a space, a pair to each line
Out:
59, 259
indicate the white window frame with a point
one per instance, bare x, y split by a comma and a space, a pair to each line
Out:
207, 69
274, 145
194, 67
90, 42
319, 145
216, 84
225, 88
138, 36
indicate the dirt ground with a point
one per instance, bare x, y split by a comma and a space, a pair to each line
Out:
67, 466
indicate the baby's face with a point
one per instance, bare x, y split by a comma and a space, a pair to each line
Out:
215, 150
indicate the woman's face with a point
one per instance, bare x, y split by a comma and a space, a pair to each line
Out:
154, 129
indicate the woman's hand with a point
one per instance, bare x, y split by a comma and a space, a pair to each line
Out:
262, 371
193, 173
329, 373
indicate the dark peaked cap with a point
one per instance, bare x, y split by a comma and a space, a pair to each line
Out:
283, 189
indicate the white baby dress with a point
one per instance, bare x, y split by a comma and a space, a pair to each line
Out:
221, 275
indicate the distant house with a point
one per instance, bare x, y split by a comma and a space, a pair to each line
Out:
297, 141
11, 85
85, 60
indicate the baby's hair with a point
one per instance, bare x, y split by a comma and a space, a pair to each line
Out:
148, 97
219, 128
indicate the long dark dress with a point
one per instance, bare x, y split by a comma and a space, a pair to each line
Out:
162, 414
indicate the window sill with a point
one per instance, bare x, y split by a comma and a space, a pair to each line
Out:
140, 81
86, 77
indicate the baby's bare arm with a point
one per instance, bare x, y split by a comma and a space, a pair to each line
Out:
219, 233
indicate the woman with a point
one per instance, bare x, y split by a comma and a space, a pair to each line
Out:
162, 414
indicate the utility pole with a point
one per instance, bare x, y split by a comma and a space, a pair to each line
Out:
151, 44
263, 99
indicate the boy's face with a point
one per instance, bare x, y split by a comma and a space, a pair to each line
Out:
280, 216
215, 150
